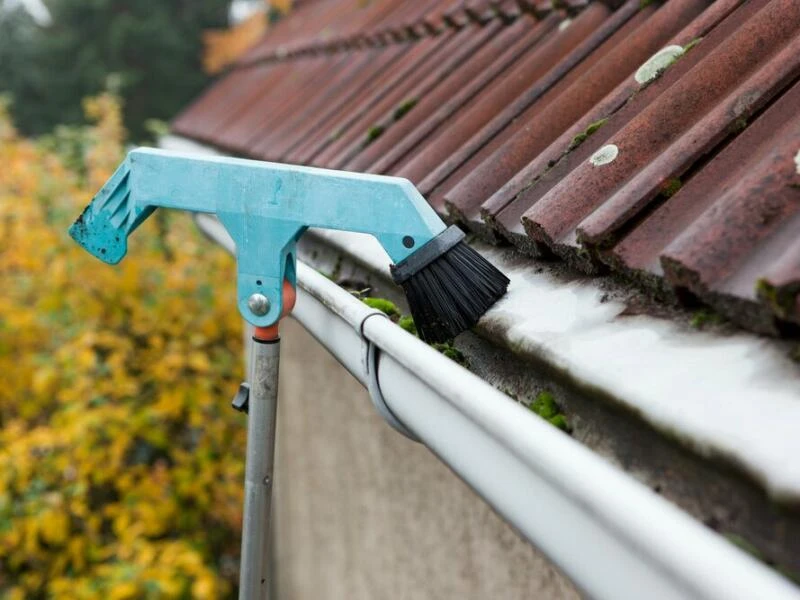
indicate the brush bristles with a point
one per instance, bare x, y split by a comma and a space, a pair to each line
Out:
451, 293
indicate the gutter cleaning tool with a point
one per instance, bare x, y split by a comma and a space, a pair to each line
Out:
266, 207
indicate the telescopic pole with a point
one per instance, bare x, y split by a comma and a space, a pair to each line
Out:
262, 404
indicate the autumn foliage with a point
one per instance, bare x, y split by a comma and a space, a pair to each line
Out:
224, 46
120, 458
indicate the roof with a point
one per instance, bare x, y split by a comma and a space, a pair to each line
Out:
656, 140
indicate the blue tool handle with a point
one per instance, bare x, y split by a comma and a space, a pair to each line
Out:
264, 206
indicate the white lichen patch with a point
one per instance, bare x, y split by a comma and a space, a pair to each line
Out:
606, 154
564, 24
797, 161
657, 64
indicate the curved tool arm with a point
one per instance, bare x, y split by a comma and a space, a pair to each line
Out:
265, 207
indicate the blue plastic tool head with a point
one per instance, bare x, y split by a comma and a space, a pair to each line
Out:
265, 207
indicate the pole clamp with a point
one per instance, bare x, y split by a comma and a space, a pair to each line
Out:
370, 357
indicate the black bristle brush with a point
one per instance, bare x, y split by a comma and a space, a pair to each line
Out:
449, 286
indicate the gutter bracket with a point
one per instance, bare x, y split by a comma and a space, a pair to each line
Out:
369, 358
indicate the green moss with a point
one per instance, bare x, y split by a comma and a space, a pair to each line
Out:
374, 132
645, 3
781, 299
593, 127
336, 134
559, 421
766, 291
404, 107
739, 125
385, 306
671, 187
692, 44
545, 405
451, 352
583, 253
705, 317
581, 137
578, 140
547, 408
407, 323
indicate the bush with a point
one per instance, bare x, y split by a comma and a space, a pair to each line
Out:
120, 457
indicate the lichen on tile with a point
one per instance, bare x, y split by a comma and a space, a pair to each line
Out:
658, 63
605, 155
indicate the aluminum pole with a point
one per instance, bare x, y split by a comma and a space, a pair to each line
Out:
254, 577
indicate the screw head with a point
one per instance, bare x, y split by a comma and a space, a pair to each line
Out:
258, 304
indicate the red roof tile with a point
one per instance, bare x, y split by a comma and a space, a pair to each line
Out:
659, 140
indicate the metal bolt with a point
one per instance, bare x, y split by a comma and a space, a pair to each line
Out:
266, 480
258, 304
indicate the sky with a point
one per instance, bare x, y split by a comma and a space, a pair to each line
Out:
35, 8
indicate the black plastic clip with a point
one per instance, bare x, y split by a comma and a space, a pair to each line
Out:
241, 400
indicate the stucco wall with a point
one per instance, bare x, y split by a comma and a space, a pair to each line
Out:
363, 513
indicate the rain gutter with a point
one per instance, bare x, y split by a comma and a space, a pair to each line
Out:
612, 536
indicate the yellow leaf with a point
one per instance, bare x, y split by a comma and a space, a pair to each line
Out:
204, 587
124, 591
199, 362
55, 527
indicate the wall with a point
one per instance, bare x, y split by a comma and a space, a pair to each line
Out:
363, 513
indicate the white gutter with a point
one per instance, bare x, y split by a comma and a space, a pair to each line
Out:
610, 535
731, 398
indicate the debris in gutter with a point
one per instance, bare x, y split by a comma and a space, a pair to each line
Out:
546, 407
406, 322
704, 317
387, 307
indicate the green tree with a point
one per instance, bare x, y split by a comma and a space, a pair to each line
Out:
147, 51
